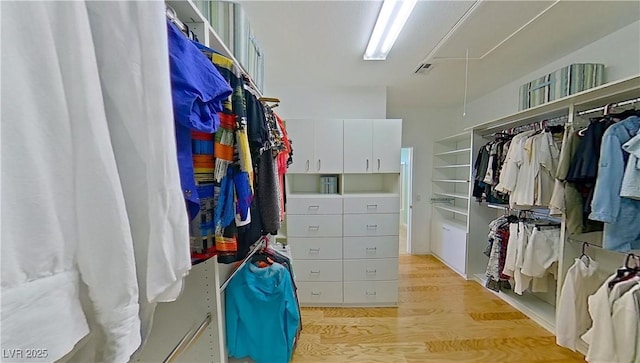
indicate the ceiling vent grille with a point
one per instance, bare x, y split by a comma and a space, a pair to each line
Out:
423, 68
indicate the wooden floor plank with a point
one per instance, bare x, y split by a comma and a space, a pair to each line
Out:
440, 318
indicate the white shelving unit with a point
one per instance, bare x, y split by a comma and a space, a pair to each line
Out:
448, 181
345, 245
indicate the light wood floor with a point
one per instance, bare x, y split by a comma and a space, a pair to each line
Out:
440, 318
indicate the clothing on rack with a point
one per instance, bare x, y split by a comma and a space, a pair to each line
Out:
631, 180
615, 311
262, 314
621, 232
572, 317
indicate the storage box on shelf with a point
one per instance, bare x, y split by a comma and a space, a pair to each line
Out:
357, 227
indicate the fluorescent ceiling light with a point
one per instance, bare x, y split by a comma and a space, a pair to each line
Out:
391, 19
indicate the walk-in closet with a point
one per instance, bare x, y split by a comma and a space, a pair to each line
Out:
248, 181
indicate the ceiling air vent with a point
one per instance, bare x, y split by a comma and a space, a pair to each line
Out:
423, 68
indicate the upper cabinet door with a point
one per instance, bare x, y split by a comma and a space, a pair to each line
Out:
301, 133
387, 141
358, 141
328, 147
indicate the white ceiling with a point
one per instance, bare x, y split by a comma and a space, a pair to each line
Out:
320, 43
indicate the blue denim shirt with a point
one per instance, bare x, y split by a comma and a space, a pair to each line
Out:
623, 230
197, 90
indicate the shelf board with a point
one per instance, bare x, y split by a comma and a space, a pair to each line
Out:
609, 92
538, 310
454, 195
453, 209
369, 195
453, 152
453, 166
313, 195
450, 180
466, 135
455, 222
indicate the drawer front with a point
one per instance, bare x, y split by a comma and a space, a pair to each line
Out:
319, 292
374, 270
312, 270
325, 248
314, 226
375, 205
371, 292
313, 206
371, 247
356, 225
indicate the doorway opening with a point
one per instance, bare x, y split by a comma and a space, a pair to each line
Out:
406, 181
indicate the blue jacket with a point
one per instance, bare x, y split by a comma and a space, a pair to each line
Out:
622, 231
262, 315
197, 91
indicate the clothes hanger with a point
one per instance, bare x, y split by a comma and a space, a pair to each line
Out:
627, 272
584, 257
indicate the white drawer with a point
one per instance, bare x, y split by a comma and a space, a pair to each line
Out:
371, 292
318, 270
319, 292
371, 247
362, 205
356, 225
323, 248
314, 226
374, 270
307, 206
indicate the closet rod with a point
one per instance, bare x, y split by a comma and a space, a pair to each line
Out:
257, 247
560, 120
609, 106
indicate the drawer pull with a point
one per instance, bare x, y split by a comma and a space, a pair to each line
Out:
371, 249
372, 271
314, 250
314, 207
314, 272
372, 226
316, 293
370, 293
372, 206
314, 228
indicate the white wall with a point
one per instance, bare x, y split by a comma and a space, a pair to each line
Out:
420, 127
618, 51
330, 102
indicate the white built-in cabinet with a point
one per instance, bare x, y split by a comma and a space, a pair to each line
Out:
317, 146
345, 245
376, 149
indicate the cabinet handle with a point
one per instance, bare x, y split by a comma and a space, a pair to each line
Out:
307, 165
367, 164
319, 164
314, 250
314, 207
372, 226
316, 293
372, 271
371, 249
378, 164
370, 293
371, 206
314, 228
314, 272
446, 229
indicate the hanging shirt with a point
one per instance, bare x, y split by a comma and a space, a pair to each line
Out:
513, 161
64, 218
631, 180
262, 316
198, 91
622, 232
134, 75
572, 317
626, 321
